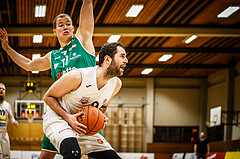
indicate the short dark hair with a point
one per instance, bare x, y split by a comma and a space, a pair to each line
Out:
109, 49
60, 16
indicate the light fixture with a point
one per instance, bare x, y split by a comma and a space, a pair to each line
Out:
165, 57
113, 38
37, 38
229, 11
35, 56
147, 71
190, 39
40, 10
134, 10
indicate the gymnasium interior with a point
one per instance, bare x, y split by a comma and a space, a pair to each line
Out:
164, 104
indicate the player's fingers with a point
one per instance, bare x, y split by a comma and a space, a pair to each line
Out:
79, 113
2, 33
81, 125
106, 118
5, 30
82, 130
79, 131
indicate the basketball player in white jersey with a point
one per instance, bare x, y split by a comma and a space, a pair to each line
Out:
5, 113
87, 86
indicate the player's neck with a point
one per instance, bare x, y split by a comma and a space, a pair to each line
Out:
101, 76
64, 42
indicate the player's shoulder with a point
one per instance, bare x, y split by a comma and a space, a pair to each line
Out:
88, 70
119, 81
6, 103
72, 75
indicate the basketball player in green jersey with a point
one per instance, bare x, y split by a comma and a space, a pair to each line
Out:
75, 52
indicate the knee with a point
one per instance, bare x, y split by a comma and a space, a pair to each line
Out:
70, 149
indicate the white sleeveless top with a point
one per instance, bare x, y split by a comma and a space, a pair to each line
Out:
4, 109
88, 93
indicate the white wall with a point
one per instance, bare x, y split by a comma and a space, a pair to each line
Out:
176, 107
130, 96
217, 96
236, 129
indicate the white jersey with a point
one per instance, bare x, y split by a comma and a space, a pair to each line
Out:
57, 129
88, 93
4, 109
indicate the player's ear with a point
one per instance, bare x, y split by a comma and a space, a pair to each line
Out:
54, 31
108, 59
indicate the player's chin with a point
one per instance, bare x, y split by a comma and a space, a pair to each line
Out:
121, 72
67, 35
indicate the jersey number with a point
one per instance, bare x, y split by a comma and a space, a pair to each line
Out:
65, 60
2, 112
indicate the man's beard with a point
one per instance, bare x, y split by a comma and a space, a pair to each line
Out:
2, 98
113, 70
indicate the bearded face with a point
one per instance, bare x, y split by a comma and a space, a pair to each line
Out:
118, 63
2, 93
114, 69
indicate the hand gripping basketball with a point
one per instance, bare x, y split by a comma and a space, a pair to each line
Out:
92, 118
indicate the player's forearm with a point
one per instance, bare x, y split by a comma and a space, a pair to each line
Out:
12, 119
88, 1
86, 22
19, 59
195, 149
208, 148
56, 107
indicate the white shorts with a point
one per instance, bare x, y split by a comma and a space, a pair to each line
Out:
4, 143
57, 129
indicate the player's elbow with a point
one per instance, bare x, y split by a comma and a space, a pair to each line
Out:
31, 67
45, 98
28, 67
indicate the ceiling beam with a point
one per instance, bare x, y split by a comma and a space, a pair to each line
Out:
189, 66
133, 31
43, 50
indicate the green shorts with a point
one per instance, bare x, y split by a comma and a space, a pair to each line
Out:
48, 146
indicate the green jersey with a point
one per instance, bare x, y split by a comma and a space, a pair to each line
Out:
72, 56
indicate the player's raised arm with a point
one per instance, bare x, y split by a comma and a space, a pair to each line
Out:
67, 83
40, 64
86, 26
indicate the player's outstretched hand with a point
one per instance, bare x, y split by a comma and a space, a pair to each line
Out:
78, 127
4, 38
15, 123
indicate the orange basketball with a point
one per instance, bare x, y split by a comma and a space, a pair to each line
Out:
93, 118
